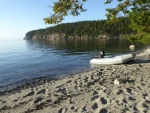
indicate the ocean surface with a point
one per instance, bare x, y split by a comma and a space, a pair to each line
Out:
23, 60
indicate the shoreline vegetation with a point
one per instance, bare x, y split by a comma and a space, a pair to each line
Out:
99, 29
92, 91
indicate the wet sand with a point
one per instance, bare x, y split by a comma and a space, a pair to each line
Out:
92, 91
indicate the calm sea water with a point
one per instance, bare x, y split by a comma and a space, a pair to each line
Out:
25, 60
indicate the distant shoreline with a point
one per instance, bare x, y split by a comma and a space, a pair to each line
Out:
99, 29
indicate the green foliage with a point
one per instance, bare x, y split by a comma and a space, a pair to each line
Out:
64, 7
140, 20
138, 13
90, 29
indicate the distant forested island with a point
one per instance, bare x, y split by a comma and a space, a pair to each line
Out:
100, 29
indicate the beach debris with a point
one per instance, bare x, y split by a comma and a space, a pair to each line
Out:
116, 82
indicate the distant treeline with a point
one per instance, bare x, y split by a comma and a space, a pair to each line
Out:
90, 29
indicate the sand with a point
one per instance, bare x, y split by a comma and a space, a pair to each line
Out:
92, 91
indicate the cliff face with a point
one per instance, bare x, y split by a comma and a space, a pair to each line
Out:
54, 36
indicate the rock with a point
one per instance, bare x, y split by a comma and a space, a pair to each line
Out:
116, 82
132, 46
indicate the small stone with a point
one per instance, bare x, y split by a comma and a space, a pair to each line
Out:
116, 82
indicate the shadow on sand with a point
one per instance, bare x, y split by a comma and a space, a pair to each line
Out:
138, 61
135, 61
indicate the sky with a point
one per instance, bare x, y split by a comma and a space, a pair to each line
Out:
17, 17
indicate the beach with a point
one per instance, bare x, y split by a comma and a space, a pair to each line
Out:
92, 91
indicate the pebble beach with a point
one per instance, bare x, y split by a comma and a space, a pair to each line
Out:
92, 91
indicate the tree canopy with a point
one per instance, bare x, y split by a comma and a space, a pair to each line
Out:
85, 29
137, 12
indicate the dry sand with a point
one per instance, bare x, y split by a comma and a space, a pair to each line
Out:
92, 91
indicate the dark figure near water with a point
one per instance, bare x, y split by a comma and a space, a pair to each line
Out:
101, 54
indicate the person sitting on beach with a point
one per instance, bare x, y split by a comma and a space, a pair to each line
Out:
101, 54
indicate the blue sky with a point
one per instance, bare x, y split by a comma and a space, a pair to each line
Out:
17, 17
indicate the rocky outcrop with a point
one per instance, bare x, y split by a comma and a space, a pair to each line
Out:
54, 36
47, 37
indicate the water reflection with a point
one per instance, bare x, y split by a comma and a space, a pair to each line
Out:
85, 45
